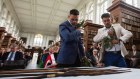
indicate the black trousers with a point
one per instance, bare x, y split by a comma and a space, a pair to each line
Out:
76, 64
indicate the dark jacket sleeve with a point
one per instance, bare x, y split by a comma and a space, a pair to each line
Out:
80, 45
4, 57
19, 56
66, 35
138, 54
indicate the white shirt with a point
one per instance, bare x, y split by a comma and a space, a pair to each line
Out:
97, 59
70, 23
134, 52
116, 47
12, 59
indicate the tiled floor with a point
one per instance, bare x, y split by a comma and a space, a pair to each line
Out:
33, 63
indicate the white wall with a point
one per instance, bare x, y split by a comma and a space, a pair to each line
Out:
8, 18
138, 3
30, 39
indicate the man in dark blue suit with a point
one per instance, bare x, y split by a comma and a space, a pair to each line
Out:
13, 54
71, 48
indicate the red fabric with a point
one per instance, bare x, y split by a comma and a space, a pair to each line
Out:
48, 60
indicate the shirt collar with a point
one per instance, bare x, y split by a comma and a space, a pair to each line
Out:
71, 24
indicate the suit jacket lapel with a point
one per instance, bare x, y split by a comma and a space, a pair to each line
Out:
116, 31
69, 26
137, 53
16, 55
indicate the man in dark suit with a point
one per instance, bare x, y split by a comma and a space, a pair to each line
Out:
71, 48
13, 54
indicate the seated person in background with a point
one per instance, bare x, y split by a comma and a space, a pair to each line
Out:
2, 51
90, 51
133, 57
94, 46
45, 55
7, 49
27, 56
13, 54
50, 59
43, 58
94, 58
55, 50
20, 50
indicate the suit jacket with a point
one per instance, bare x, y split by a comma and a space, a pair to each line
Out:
131, 55
71, 44
92, 58
1, 56
18, 56
121, 33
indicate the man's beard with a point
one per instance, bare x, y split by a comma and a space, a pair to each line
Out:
74, 24
108, 26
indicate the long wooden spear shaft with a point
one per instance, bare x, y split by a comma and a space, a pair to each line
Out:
68, 73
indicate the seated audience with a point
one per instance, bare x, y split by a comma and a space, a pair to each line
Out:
50, 59
94, 58
94, 46
13, 54
55, 50
27, 56
7, 49
90, 51
2, 51
133, 58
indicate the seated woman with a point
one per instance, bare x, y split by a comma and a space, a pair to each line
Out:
133, 58
55, 50
50, 59
94, 58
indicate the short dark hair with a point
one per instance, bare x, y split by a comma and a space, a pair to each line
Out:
105, 15
74, 12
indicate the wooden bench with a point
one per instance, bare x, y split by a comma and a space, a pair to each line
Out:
14, 64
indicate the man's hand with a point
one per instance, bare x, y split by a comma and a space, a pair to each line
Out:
115, 41
133, 59
100, 65
78, 29
110, 32
84, 57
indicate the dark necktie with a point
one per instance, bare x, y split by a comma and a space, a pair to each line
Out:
107, 42
11, 56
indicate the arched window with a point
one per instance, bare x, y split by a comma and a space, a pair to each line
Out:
90, 11
11, 26
38, 40
3, 16
81, 16
14, 30
102, 6
8, 21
